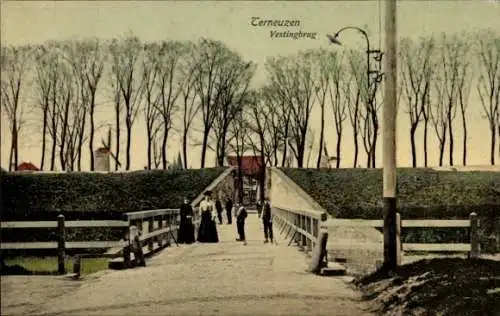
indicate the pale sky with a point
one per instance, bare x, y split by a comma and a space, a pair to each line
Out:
36, 22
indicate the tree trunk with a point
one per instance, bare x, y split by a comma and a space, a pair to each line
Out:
356, 149
426, 122
285, 147
374, 144
204, 147
321, 136
164, 147
54, 143
91, 131
493, 141
128, 125
150, 145
262, 171
44, 138
450, 130
339, 140
413, 129
117, 153
184, 147
464, 127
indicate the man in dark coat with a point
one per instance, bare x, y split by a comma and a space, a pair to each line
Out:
186, 227
267, 221
240, 223
229, 209
218, 207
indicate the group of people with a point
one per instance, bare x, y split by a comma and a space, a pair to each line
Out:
210, 212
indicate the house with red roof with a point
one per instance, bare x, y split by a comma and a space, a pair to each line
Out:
250, 168
27, 166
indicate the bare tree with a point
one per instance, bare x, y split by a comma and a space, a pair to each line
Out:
170, 83
125, 57
211, 56
353, 89
339, 92
87, 60
322, 69
15, 62
451, 58
416, 66
488, 85
232, 88
238, 134
150, 70
439, 116
464, 85
293, 77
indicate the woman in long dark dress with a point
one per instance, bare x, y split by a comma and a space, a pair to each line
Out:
207, 232
186, 227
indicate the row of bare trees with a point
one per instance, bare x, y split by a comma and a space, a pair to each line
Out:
437, 76
204, 87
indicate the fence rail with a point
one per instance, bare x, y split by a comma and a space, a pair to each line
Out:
304, 225
144, 232
472, 223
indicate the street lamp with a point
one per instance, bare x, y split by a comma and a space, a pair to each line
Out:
374, 75
391, 246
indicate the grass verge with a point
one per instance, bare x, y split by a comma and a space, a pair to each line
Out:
439, 286
48, 265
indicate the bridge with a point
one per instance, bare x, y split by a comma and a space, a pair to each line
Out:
227, 278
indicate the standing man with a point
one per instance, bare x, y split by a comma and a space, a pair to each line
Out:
229, 209
267, 220
218, 207
240, 223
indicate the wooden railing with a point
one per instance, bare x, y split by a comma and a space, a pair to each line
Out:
61, 244
151, 231
303, 225
472, 247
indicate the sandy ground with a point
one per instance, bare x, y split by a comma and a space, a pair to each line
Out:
227, 278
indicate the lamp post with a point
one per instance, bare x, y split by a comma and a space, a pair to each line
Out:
391, 251
372, 75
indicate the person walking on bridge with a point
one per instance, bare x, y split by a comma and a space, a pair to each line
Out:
229, 209
207, 232
218, 207
186, 227
240, 223
267, 221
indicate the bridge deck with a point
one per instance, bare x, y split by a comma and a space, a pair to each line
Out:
227, 278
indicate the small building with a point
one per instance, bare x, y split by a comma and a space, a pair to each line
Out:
250, 167
102, 159
27, 166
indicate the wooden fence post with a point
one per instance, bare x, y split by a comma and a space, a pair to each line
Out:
61, 245
160, 226
126, 251
398, 240
474, 236
319, 253
151, 224
77, 264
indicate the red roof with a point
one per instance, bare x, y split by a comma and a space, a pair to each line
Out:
250, 165
103, 150
27, 166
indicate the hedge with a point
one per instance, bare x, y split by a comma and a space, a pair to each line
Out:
94, 196
422, 194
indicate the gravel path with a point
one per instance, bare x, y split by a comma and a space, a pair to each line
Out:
227, 278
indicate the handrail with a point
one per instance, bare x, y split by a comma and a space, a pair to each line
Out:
149, 213
473, 247
304, 225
